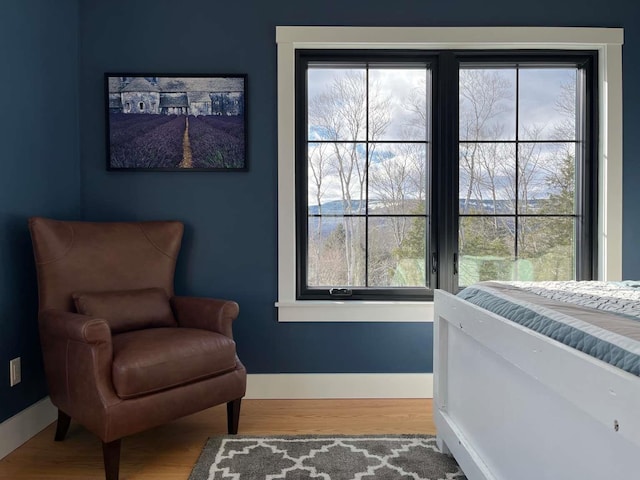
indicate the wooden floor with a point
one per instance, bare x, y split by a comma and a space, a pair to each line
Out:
170, 451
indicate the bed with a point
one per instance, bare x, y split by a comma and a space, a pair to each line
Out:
514, 403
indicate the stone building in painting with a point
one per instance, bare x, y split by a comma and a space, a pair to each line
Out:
177, 95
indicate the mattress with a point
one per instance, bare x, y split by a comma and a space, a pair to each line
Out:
601, 319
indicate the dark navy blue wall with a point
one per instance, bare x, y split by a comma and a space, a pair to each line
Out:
39, 168
230, 242
231, 236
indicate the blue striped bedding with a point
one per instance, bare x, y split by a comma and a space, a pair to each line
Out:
600, 319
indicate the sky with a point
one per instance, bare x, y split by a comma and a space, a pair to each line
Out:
539, 90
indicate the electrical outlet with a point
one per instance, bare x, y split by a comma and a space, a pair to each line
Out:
15, 371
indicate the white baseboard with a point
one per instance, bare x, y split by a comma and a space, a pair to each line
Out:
24, 425
339, 385
21, 427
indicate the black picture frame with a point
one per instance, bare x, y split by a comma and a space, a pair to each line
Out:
176, 122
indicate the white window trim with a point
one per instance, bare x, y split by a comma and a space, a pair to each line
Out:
606, 41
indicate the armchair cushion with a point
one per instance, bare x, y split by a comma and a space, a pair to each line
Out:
146, 361
127, 309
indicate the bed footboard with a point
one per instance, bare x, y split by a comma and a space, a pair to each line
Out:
511, 404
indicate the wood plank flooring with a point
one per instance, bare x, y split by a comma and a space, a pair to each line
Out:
170, 451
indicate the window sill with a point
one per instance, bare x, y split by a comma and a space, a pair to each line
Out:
354, 311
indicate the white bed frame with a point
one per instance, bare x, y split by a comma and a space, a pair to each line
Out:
511, 404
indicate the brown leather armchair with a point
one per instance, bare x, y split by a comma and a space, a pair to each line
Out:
121, 353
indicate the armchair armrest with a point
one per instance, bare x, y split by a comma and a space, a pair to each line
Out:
73, 326
205, 313
78, 355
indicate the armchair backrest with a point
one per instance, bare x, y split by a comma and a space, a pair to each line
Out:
102, 256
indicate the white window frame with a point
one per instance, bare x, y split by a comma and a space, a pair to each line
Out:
606, 41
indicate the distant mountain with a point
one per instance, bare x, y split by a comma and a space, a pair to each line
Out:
487, 206
338, 207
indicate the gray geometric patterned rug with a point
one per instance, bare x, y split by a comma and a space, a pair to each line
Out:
336, 457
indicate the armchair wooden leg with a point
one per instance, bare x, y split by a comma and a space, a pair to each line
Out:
233, 416
62, 427
111, 454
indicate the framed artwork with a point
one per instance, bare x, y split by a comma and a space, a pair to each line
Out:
176, 122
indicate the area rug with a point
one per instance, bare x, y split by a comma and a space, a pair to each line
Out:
387, 457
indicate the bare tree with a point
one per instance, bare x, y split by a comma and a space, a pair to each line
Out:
340, 114
484, 96
318, 166
399, 184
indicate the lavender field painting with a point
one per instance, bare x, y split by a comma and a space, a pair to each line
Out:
182, 123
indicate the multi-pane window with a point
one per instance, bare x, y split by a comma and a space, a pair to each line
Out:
437, 170
366, 151
518, 150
